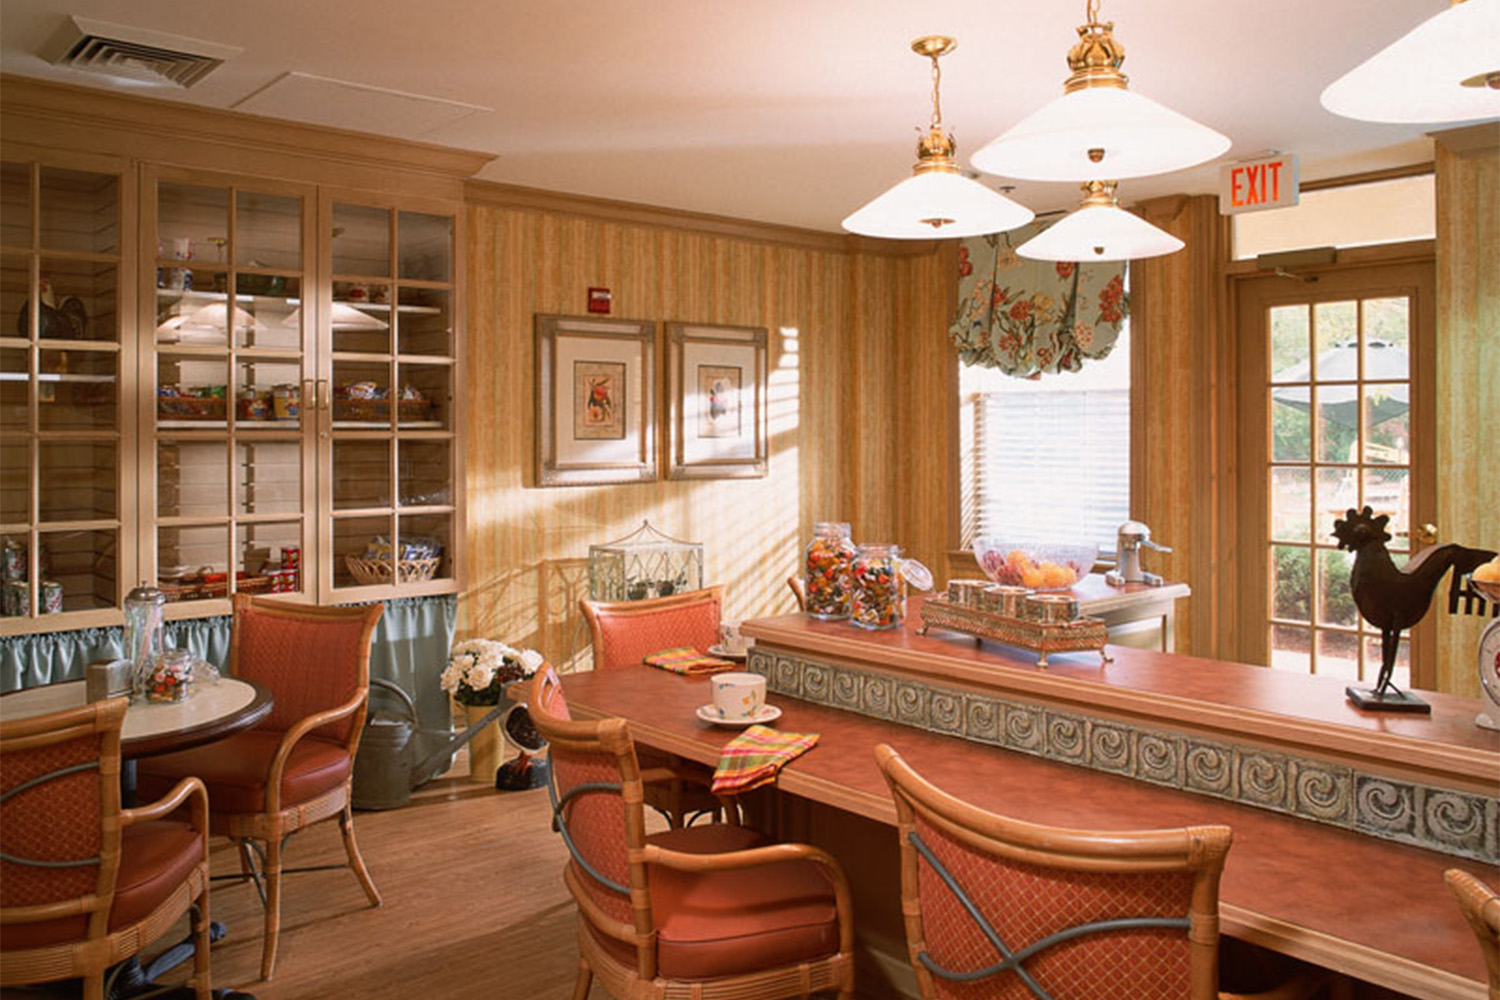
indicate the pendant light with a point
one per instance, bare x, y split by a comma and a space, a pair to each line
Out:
937, 201
1446, 69
1099, 230
1098, 127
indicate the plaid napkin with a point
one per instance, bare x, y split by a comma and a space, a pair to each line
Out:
754, 758
687, 660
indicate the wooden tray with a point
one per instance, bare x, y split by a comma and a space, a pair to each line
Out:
1037, 637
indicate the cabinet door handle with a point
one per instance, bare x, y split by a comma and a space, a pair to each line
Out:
308, 395
323, 394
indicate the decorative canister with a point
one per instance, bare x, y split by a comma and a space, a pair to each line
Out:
255, 404
487, 746
286, 402
1008, 601
1051, 609
966, 592
171, 677
830, 555
880, 576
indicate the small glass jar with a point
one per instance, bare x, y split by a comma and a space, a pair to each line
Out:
829, 556
170, 677
878, 595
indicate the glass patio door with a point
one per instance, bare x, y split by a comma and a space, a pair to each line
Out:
1337, 414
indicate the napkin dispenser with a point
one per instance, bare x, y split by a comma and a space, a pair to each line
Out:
104, 679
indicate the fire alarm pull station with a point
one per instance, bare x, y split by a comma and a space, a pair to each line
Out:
599, 300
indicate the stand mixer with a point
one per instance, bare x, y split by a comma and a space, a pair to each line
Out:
1131, 537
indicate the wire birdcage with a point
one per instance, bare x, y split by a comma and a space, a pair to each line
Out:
645, 563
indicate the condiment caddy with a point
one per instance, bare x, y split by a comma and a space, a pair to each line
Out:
1039, 623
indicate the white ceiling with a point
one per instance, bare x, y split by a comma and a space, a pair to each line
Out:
787, 111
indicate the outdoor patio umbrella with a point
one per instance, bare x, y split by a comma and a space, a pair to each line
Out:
1340, 363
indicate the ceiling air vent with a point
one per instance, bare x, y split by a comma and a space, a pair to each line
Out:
134, 53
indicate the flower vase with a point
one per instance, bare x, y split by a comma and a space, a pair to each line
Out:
485, 748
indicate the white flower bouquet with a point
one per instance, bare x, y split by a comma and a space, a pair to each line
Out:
479, 669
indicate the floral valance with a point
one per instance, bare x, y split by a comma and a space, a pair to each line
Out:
1029, 317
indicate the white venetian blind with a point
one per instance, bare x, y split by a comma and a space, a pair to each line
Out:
1050, 457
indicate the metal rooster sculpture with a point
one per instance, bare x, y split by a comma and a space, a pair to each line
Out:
1392, 598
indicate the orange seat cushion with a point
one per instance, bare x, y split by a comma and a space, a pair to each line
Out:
715, 924
235, 770
155, 858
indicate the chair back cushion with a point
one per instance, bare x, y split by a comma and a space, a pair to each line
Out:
311, 659
1026, 903
61, 816
627, 632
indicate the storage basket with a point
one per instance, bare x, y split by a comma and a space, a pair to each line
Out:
379, 410
377, 571
191, 407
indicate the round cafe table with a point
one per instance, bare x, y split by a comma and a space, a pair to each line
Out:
213, 712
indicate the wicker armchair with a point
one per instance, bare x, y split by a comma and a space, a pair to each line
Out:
1481, 908
294, 769
84, 884
699, 913
625, 633
1000, 908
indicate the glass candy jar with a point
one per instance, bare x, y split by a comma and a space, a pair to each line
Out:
829, 556
171, 676
879, 579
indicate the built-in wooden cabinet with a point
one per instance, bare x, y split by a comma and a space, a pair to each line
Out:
221, 383
67, 507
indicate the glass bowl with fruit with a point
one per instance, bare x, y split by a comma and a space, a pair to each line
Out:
1035, 565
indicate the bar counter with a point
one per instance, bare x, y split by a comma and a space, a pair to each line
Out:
1341, 897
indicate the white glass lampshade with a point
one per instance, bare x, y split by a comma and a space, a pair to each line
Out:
1099, 233
343, 317
937, 204
1099, 131
1446, 69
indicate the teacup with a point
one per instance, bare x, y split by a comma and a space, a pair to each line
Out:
738, 696
731, 639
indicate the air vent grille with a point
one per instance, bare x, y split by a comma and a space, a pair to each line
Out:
135, 53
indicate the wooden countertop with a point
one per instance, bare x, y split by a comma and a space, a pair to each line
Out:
1213, 697
1360, 905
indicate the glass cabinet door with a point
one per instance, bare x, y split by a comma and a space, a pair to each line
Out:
232, 384
64, 557
394, 346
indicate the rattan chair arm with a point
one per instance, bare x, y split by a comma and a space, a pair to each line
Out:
77, 906
771, 854
1302, 985
300, 729
170, 803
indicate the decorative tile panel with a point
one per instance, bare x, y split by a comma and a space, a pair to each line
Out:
1444, 820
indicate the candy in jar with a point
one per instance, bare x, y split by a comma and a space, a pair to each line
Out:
829, 556
171, 677
880, 577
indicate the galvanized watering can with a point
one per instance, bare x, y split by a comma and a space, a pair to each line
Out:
396, 757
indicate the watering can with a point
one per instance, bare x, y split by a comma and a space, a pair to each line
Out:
396, 757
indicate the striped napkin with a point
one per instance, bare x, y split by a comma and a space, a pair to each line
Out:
754, 758
687, 660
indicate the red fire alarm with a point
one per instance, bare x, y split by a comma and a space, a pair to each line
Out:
599, 300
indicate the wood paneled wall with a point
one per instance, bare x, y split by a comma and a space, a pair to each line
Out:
840, 322
1468, 370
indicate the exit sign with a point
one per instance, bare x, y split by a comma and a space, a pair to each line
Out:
1256, 185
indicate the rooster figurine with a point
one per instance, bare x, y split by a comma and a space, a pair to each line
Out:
1392, 598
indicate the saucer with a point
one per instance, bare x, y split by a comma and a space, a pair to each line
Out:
767, 713
723, 653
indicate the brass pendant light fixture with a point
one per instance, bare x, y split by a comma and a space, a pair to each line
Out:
1099, 127
937, 201
1099, 230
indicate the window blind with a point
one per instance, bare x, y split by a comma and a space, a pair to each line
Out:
1053, 466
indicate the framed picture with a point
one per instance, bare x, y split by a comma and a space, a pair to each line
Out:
595, 401
717, 415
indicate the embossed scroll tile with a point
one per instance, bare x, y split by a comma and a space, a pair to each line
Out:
788, 679
1453, 819
1067, 737
1158, 758
1322, 791
1024, 728
1111, 748
878, 697
945, 711
1385, 806
847, 687
1492, 828
1208, 767
983, 718
1264, 779
761, 663
816, 684
911, 704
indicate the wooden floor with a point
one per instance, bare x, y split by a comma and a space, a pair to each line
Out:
474, 906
